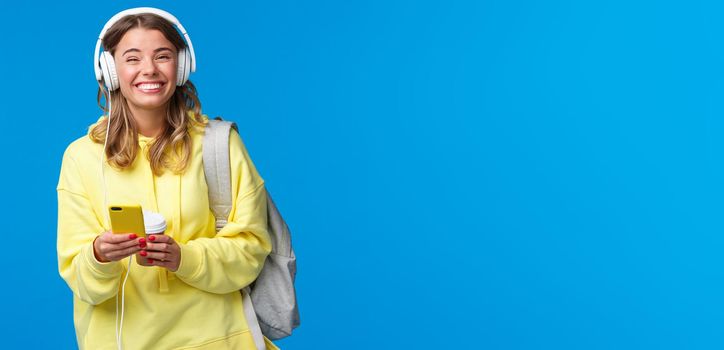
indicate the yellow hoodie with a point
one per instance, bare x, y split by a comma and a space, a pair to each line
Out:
197, 307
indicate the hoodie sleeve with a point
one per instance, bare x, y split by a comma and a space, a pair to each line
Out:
235, 256
90, 280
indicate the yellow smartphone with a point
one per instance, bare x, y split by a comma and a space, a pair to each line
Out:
127, 219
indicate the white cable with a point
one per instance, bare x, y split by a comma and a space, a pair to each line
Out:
118, 343
119, 327
103, 156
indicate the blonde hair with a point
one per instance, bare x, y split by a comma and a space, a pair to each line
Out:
172, 148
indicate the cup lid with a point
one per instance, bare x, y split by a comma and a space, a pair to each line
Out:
154, 222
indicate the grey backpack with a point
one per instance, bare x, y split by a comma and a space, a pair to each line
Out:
270, 303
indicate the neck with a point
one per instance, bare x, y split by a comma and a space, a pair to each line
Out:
150, 122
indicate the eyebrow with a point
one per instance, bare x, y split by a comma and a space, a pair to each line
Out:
154, 51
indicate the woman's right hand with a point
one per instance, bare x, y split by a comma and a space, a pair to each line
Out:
109, 246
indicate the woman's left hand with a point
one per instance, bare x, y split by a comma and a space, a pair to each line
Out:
162, 250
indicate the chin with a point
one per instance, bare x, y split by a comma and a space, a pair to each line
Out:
152, 103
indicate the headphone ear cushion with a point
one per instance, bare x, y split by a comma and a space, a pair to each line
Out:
184, 67
108, 69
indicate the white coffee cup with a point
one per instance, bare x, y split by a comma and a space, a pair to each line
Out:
155, 224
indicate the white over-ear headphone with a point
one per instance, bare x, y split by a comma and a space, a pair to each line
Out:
105, 66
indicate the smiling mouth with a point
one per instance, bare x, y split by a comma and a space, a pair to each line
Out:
150, 87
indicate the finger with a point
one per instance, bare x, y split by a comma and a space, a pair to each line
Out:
121, 248
118, 237
123, 253
161, 256
159, 247
160, 239
115, 247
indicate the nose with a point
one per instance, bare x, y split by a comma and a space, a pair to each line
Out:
148, 67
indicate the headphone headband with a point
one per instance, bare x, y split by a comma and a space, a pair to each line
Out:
135, 11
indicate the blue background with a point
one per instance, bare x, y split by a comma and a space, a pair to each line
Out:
456, 174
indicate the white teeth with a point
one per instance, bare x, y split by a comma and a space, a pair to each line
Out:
149, 86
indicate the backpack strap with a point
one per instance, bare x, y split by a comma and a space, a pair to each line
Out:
252, 320
217, 169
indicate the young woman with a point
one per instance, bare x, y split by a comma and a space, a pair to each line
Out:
147, 151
